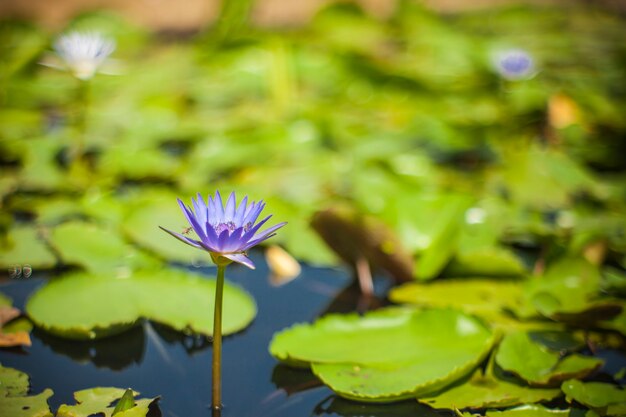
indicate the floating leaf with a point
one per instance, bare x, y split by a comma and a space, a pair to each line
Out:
594, 394
28, 406
13, 399
97, 249
13, 383
487, 391
494, 261
442, 246
475, 295
568, 291
538, 365
544, 178
529, 410
387, 354
98, 400
151, 210
103, 305
23, 246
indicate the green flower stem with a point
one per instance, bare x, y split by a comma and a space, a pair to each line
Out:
216, 401
81, 109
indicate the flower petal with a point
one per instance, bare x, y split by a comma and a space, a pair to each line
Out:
254, 212
183, 239
211, 235
240, 258
264, 235
250, 233
222, 241
234, 242
230, 207
218, 208
200, 209
241, 212
193, 222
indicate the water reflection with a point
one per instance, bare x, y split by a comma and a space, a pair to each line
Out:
115, 352
121, 351
293, 380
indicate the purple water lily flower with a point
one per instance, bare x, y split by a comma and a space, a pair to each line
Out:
514, 64
225, 231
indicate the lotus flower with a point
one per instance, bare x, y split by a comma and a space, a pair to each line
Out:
225, 231
83, 53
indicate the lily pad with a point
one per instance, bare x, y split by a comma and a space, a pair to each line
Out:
493, 261
472, 295
594, 394
388, 354
530, 410
27, 406
24, 246
13, 383
569, 291
97, 249
14, 402
154, 209
98, 401
103, 305
538, 365
442, 246
487, 391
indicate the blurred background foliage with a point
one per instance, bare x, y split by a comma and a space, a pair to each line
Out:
403, 119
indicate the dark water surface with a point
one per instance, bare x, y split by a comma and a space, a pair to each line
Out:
157, 361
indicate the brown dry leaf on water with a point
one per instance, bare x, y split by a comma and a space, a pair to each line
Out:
16, 338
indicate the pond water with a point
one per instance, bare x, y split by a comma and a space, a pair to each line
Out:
158, 361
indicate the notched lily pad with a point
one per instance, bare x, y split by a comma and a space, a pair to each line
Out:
388, 354
103, 305
538, 365
98, 401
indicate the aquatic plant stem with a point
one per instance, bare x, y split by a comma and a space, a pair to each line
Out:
216, 401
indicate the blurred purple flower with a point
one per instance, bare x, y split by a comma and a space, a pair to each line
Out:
83, 53
225, 232
514, 64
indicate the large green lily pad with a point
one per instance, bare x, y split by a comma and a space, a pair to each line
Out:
84, 306
97, 249
388, 354
98, 401
540, 366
